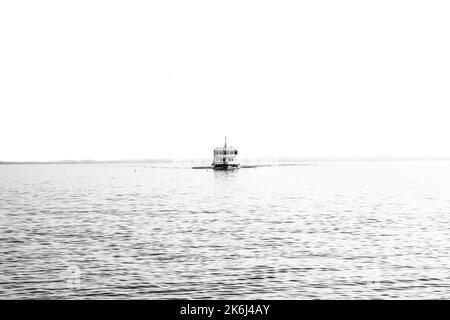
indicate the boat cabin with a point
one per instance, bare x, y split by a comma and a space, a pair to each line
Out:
225, 157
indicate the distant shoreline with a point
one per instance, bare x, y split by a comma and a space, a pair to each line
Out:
88, 161
249, 160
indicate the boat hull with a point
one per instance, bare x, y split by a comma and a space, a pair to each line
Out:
225, 166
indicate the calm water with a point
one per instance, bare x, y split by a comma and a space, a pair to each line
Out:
323, 230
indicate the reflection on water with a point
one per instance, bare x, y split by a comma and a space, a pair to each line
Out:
329, 230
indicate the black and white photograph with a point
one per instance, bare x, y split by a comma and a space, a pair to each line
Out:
224, 150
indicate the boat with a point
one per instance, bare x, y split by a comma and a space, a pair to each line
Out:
225, 158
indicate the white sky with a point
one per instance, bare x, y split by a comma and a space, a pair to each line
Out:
154, 79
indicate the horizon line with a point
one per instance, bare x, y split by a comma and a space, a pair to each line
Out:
249, 159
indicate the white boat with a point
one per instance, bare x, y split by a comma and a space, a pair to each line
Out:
225, 158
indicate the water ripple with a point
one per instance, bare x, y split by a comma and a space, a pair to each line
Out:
332, 230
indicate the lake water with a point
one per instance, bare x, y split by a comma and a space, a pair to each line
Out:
363, 230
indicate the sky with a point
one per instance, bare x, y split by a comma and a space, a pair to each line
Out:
169, 79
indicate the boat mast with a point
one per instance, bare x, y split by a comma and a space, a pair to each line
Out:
225, 151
